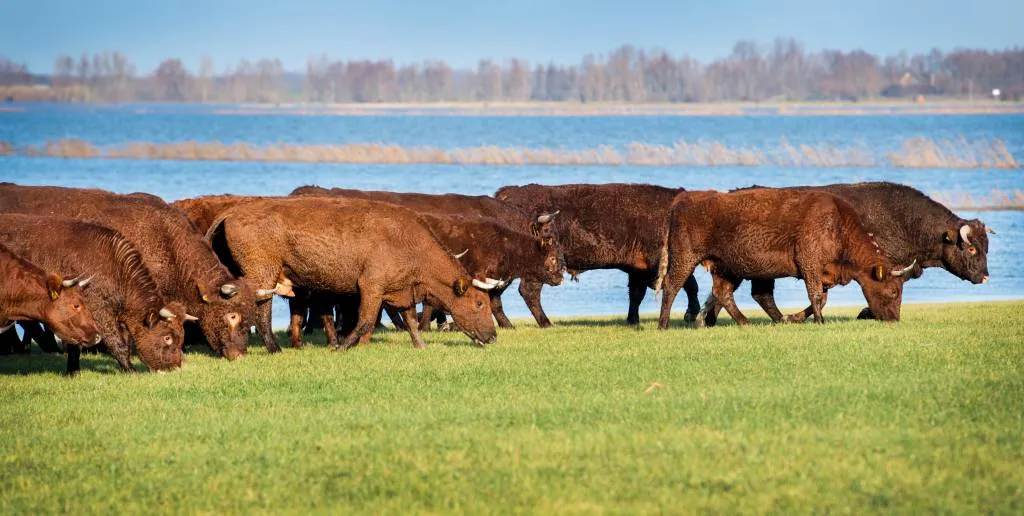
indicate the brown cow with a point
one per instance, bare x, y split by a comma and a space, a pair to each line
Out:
769, 233
122, 295
541, 224
381, 252
181, 262
604, 226
27, 293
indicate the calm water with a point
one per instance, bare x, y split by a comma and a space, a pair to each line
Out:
598, 292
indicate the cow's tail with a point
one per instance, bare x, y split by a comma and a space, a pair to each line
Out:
216, 235
662, 266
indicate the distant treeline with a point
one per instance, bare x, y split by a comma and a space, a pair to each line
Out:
781, 71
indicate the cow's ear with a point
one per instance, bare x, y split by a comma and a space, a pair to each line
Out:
949, 237
879, 272
460, 286
203, 294
151, 319
54, 284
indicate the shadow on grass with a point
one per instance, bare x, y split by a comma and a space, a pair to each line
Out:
38, 362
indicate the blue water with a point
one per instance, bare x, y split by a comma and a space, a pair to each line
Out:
598, 292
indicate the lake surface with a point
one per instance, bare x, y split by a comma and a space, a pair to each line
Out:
598, 292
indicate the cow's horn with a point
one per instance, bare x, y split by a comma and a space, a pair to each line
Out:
482, 285
495, 282
905, 270
191, 318
460, 255
68, 283
263, 292
965, 233
990, 230
228, 290
166, 313
545, 218
83, 283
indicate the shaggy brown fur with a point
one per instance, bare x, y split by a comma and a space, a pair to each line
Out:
768, 234
604, 226
381, 252
29, 294
181, 262
122, 295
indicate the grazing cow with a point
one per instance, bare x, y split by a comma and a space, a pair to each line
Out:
181, 262
767, 234
381, 252
122, 295
604, 226
908, 226
492, 252
539, 223
27, 293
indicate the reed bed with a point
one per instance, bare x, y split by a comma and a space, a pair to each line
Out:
913, 153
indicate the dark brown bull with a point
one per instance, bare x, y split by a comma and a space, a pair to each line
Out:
381, 252
769, 234
541, 224
181, 262
27, 293
122, 296
604, 226
909, 227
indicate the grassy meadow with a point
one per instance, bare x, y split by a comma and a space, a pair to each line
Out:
926, 415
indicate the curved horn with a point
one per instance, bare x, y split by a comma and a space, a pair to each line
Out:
191, 318
86, 281
990, 230
264, 292
481, 285
68, 283
965, 232
904, 270
545, 218
495, 282
460, 255
228, 290
166, 313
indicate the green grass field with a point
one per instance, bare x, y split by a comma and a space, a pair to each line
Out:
926, 415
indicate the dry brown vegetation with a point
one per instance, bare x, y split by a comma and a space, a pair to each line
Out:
914, 153
997, 200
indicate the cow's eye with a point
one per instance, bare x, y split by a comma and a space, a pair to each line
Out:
168, 340
77, 307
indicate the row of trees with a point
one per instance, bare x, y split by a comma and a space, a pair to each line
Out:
783, 70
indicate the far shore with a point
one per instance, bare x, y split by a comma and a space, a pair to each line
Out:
900, 107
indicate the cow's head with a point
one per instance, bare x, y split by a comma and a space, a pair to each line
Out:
66, 313
883, 289
226, 313
160, 339
965, 250
471, 309
553, 266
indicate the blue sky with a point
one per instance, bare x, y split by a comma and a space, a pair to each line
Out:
460, 32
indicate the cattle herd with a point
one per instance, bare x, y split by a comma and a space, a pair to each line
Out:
90, 269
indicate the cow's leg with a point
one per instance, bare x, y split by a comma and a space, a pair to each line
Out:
120, 349
763, 292
708, 315
23, 346
498, 310
8, 341
816, 294
330, 330
414, 329
41, 335
297, 308
369, 308
425, 318
680, 267
637, 290
74, 354
264, 327
723, 288
692, 301
530, 290
396, 318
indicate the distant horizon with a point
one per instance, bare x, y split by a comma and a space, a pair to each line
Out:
461, 33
